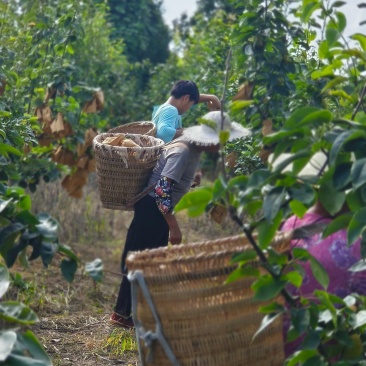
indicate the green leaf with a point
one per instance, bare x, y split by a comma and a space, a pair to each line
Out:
17, 312
358, 266
300, 319
70, 49
266, 288
319, 273
338, 4
317, 269
361, 38
356, 225
247, 255
315, 361
334, 82
323, 50
224, 137
8, 236
342, 20
25, 203
311, 341
4, 280
239, 105
355, 200
272, 308
95, 269
272, 203
27, 343
266, 321
304, 193
358, 173
195, 202
281, 135
294, 278
331, 35
218, 189
344, 137
302, 154
239, 182
68, 269
300, 114
298, 208
325, 71
5, 149
328, 301
7, 341
48, 250
27, 219
309, 9
64, 249
48, 226
360, 319
4, 204
337, 224
300, 357
330, 198
242, 272
342, 175
266, 230
17, 360
258, 177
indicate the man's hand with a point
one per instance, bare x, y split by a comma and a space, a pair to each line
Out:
175, 235
197, 179
213, 103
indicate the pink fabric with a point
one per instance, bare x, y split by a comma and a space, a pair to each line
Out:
335, 256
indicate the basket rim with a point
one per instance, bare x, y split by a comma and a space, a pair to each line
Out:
97, 143
137, 124
182, 255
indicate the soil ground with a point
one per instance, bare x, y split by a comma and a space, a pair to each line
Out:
74, 318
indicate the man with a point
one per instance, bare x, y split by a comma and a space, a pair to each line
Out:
154, 223
168, 117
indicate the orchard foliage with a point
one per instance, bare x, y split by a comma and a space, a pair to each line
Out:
302, 92
292, 76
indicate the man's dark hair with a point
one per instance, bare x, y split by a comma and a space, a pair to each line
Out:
184, 87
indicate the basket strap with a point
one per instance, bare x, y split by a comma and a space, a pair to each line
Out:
137, 279
148, 189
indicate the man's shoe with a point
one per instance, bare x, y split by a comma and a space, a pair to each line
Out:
121, 321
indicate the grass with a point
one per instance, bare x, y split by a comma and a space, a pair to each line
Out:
74, 324
120, 341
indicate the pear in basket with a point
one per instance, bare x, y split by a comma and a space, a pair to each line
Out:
129, 143
114, 140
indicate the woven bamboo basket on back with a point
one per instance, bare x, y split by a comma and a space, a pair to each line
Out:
140, 128
204, 321
122, 172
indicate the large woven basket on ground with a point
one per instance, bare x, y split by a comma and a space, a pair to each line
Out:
140, 128
122, 172
203, 321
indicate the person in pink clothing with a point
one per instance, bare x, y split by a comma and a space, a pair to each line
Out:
333, 252
335, 256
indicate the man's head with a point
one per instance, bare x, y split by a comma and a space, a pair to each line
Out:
185, 88
183, 95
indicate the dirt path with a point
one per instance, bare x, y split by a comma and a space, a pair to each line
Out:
74, 318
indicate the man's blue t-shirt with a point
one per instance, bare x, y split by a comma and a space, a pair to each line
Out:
167, 120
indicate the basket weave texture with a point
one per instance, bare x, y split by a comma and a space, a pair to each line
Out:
122, 172
139, 128
205, 322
